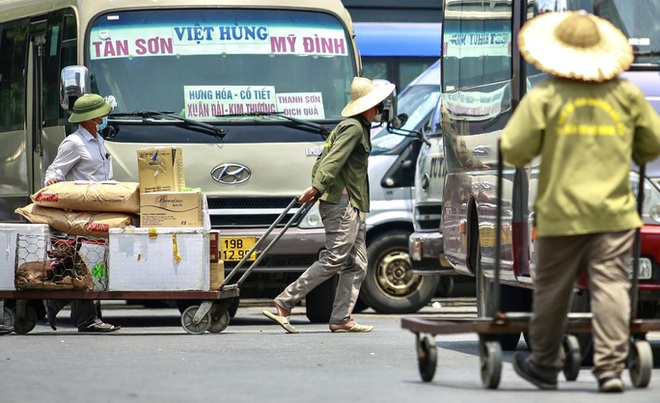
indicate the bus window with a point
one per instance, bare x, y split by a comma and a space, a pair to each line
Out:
476, 45
133, 53
13, 47
59, 52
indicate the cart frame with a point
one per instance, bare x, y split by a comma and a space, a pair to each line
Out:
212, 314
640, 359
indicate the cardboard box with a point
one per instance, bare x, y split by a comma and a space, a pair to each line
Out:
163, 259
20, 243
217, 274
171, 209
160, 169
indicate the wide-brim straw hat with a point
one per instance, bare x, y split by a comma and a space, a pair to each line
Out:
576, 45
365, 95
88, 107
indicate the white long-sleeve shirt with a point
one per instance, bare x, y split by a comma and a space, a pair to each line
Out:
80, 156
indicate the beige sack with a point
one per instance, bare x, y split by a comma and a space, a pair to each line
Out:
76, 222
121, 197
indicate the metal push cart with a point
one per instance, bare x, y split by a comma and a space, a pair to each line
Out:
640, 359
212, 313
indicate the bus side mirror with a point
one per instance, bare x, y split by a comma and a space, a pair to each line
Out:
74, 82
399, 121
389, 111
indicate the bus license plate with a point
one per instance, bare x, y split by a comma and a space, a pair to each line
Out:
234, 248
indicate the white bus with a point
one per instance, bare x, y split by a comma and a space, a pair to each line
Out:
242, 86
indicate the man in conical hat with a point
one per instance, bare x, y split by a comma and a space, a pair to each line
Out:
586, 124
340, 183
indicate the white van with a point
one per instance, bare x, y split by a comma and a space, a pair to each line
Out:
392, 284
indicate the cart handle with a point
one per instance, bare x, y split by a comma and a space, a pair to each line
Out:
637, 246
302, 210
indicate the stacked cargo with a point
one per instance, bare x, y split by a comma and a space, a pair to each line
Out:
170, 249
72, 251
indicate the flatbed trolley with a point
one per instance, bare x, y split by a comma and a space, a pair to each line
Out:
212, 314
640, 358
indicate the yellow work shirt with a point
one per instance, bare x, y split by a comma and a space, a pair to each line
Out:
586, 135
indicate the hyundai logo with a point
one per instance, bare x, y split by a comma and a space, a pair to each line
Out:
231, 174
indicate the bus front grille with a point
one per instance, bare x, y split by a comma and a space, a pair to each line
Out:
246, 212
428, 217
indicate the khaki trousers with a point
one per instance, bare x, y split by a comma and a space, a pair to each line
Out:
606, 258
346, 254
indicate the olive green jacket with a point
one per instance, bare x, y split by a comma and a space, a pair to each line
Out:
586, 135
344, 163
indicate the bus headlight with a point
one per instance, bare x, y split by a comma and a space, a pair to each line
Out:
312, 219
654, 213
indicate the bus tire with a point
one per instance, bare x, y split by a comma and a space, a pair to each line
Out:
390, 285
485, 293
581, 302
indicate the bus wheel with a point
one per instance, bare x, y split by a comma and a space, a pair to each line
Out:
390, 285
581, 303
485, 296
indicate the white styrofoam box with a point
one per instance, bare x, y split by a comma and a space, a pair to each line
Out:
158, 259
34, 244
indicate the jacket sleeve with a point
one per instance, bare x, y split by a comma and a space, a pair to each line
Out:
522, 137
345, 140
646, 140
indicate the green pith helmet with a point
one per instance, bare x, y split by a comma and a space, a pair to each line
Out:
88, 107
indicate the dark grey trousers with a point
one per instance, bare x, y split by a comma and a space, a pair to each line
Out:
84, 311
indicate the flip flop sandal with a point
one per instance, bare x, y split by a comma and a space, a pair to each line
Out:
281, 320
355, 329
99, 328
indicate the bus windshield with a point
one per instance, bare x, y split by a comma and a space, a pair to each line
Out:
636, 19
213, 64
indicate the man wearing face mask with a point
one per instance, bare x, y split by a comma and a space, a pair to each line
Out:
82, 156
341, 184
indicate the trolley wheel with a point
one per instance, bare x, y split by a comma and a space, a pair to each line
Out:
491, 363
189, 325
219, 323
9, 317
572, 357
427, 357
24, 324
640, 363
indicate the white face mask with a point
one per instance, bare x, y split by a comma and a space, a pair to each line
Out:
379, 113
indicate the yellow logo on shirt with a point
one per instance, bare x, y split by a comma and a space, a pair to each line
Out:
612, 128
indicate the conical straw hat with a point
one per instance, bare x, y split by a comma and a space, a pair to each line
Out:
576, 45
365, 95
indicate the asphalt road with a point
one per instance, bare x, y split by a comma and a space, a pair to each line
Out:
152, 359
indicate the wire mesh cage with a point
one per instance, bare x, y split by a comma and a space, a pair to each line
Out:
60, 262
